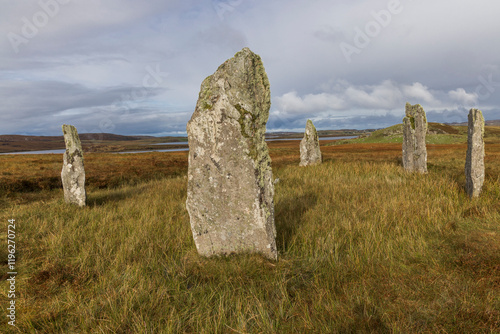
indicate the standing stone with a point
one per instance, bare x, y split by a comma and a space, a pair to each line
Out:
73, 173
414, 132
310, 153
474, 162
408, 144
230, 189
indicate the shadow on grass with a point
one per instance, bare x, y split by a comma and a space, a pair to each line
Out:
29, 185
457, 175
289, 214
115, 195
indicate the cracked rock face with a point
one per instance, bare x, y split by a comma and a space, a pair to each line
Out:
474, 163
73, 173
310, 153
230, 188
414, 132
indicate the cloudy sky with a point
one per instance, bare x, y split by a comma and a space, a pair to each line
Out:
135, 67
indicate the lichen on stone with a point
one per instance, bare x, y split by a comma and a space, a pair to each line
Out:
73, 172
412, 121
474, 162
414, 134
310, 152
229, 123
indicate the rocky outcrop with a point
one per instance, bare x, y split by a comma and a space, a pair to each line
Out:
230, 185
474, 162
414, 133
310, 153
73, 172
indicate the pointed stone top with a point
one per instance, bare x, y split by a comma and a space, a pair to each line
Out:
245, 50
476, 112
476, 115
310, 129
244, 53
245, 70
243, 82
71, 139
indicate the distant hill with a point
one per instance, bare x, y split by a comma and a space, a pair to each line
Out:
321, 133
487, 123
83, 136
110, 136
433, 128
14, 138
438, 133
492, 123
91, 142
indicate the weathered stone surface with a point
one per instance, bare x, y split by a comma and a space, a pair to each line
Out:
73, 172
310, 153
474, 162
414, 132
230, 188
408, 144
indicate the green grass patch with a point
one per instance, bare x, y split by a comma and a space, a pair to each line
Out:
398, 139
437, 134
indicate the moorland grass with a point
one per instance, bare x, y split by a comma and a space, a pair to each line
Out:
363, 247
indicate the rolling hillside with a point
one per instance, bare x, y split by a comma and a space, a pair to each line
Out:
91, 142
438, 133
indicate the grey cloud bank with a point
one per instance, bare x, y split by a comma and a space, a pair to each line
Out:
134, 68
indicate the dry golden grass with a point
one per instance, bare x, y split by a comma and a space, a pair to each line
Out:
23, 177
364, 248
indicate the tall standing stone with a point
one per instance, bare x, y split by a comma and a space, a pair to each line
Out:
414, 132
230, 189
73, 173
474, 162
408, 144
310, 153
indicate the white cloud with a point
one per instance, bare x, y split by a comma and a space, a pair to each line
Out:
100, 49
291, 102
419, 92
383, 96
459, 95
386, 96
